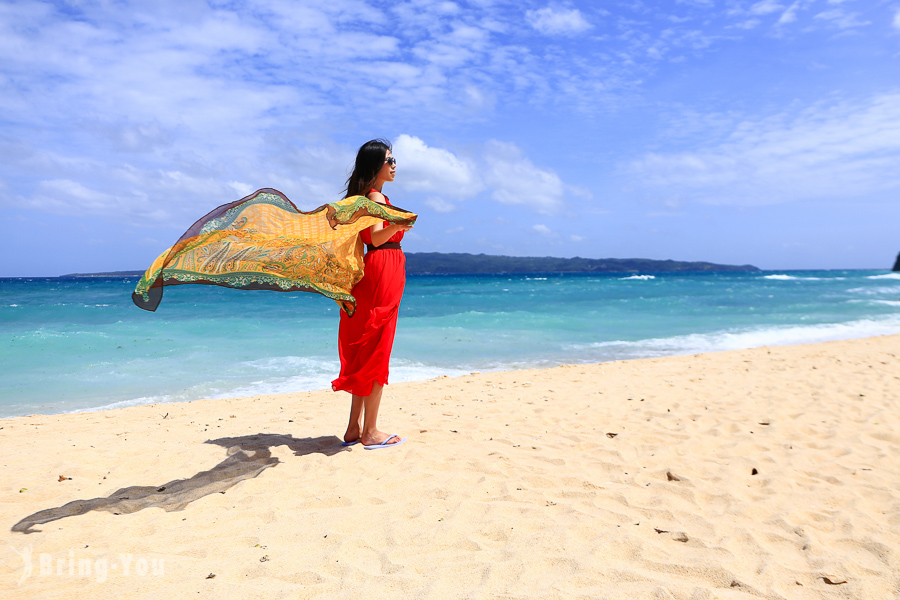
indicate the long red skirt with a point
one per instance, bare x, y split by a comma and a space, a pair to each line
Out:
365, 339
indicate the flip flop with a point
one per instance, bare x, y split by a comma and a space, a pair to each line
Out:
385, 444
354, 442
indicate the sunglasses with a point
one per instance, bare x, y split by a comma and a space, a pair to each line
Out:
391, 161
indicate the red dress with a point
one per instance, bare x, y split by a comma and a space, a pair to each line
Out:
365, 339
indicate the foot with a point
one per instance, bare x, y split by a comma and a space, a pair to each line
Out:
390, 442
352, 433
379, 437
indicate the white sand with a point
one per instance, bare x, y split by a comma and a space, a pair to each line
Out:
620, 480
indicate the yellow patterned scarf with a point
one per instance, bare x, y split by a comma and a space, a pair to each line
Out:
263, 242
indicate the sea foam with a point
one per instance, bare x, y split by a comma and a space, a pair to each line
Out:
779, 277
747, 338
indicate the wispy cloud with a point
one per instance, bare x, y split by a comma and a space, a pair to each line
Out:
790, 15
440, 205
841, 18
840, 150
765, 7
557, 20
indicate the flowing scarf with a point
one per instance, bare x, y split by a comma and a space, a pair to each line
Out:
263, 242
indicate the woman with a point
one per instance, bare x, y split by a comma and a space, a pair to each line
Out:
365, 340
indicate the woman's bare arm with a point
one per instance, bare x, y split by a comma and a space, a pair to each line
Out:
380, 233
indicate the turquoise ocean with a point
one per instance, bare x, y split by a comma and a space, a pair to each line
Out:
80, 344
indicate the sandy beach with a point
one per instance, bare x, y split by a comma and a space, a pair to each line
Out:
763, 473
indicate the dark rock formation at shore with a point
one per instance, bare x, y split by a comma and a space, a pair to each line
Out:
897, 264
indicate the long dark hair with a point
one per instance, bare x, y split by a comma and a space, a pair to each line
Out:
369, 161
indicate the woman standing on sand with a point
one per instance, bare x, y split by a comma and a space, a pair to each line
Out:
365, 339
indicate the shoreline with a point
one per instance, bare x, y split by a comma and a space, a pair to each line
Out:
502, 371
770, 471
138, 402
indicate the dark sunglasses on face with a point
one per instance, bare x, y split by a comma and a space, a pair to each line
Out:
391, 161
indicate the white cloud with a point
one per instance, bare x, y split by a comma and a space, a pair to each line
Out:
440, 204
516, 180
556, 21
790, 15
503, 171
460, 46
753, 15
841, 18
897, 19
146, 196
765, 7
421, 168
543, 230
241, 189
748, 24
70, 197
844, 151
133, 136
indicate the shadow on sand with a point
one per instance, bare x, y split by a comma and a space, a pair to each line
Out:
248, 456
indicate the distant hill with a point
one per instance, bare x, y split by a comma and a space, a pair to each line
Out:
438, 263
106, 274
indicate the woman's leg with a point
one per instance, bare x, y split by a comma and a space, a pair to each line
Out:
366, 430
370, 435
354, 427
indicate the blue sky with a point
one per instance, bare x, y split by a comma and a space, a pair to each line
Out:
730, 131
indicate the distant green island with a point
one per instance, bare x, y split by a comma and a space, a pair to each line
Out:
439, 263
